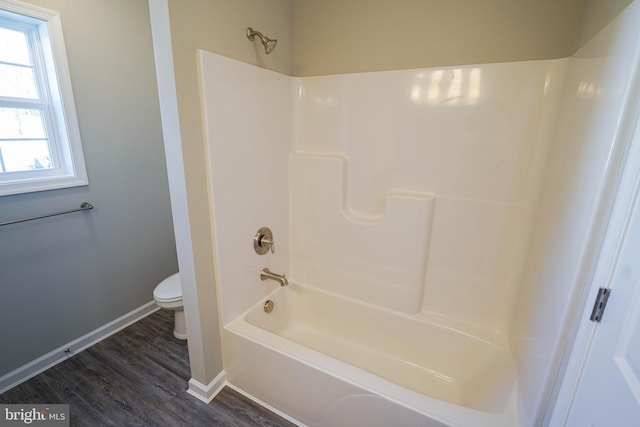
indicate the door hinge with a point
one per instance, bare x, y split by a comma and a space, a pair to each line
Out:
600, 304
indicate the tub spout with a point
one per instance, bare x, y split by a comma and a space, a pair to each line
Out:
268, 275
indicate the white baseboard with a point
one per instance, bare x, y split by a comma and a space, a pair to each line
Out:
208, 392
60, 354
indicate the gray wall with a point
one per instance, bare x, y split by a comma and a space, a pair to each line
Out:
597, 15
345, 36
65, 276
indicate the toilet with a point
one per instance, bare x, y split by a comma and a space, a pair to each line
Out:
168, 294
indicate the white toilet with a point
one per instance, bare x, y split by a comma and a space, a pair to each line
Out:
168, 294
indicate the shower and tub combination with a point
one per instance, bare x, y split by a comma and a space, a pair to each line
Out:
417, 222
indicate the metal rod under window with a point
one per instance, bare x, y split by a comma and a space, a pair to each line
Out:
85, 206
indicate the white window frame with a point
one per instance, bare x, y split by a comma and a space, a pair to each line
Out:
55, 83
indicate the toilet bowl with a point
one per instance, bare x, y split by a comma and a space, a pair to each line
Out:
168, 294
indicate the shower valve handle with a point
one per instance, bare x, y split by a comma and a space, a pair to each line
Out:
263, 241
266, 242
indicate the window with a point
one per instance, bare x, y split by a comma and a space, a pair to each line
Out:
40, 145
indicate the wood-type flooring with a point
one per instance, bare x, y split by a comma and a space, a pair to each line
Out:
137, 377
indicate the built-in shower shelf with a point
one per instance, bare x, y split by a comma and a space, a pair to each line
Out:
380, 259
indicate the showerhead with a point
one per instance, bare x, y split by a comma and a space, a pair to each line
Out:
269, 44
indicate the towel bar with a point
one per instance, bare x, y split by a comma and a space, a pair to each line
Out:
85, 206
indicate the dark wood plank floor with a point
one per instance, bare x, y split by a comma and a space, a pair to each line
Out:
137, 377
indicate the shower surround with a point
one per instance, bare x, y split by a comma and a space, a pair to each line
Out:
412, 190
427, 196
471, 138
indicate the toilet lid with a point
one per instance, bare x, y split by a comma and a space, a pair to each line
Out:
169, 289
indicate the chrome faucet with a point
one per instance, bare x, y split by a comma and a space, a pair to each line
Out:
268, 275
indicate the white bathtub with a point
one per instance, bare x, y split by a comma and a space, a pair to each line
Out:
329, 361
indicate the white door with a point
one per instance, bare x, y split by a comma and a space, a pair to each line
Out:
608, 392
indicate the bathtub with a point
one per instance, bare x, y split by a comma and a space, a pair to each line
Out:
326, 360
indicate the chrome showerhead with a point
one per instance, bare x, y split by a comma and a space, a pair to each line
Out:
269, 44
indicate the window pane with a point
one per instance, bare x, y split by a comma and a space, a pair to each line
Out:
13, 47
18, 156
21, 123
17, 82
40, 147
